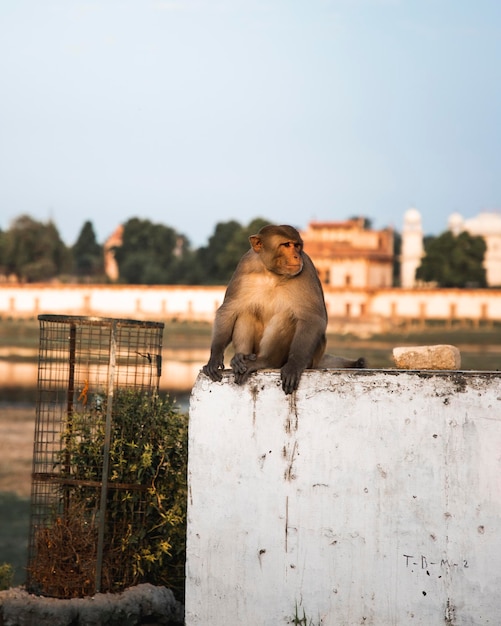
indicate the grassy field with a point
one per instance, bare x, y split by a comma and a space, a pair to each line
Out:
16, 448
480, 348
177, 335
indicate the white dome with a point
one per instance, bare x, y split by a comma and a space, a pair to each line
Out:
412, 218
455, 223
455, 218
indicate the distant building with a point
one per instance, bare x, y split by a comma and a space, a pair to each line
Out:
110, 263
488, 226
348, 254
412, 248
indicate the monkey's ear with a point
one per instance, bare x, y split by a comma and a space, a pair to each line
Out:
256, 242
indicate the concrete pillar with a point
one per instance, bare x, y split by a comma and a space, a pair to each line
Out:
367, 497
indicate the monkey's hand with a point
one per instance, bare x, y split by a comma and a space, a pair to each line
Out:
290, 375
214, 368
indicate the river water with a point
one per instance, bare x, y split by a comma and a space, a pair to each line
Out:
180, 368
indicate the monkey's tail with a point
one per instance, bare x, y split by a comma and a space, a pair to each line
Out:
330, 361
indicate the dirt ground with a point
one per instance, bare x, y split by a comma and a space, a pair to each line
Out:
17, 427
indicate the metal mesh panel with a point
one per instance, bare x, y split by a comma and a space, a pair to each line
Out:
86, 365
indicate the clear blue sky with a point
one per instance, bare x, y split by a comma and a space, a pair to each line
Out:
193, 112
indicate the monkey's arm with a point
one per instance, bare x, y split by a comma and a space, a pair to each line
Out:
221, 337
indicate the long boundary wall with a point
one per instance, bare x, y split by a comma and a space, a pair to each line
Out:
200, 303
367, 497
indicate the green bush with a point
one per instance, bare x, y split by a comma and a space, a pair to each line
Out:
145, 523
6, 576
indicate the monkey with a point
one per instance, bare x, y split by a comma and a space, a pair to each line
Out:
273, 313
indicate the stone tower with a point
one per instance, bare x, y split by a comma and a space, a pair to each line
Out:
412, 248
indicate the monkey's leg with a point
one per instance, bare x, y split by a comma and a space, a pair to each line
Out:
247, 334
272, 349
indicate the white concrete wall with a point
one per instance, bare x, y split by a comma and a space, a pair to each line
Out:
368, 497
151, 302
438, 303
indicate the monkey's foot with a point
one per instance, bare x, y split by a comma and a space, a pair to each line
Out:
240, 362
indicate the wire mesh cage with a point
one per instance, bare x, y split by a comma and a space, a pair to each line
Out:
97, 382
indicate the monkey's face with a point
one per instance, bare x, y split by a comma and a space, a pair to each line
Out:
280, 249
289, 258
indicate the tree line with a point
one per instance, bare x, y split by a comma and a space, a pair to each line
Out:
150, 254
153, 254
